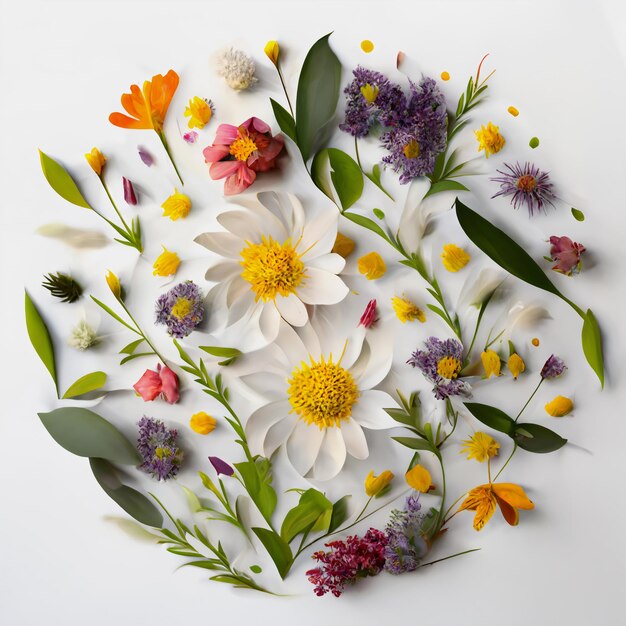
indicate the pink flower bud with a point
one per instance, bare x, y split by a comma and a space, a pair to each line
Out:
369, 318
129, 192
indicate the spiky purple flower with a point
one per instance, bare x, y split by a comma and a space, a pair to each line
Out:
158, 449
527, 185
441, 363
180, 309
553, 367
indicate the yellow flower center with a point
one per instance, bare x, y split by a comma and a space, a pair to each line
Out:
412, 149
272, 268
322, 393
526, 183
449, 367
162, 453
182, 308
370, 92
243, 146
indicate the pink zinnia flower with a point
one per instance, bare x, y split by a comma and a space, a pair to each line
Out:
566, 253
163, 382
238, 153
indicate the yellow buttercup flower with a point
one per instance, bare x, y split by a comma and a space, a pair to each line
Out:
343, 246
375, 484
367, 46
176, 206
199, 112
96, 160
489, 139
272, 51
114, 284
166, 264
202, 423
491, 363
516, 365
454, 258
372, 266
559, 407
480, 446
369, 92
407, 311
418, 477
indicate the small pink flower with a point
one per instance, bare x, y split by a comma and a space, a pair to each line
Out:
129, 192
566, 253
369, 318
191, 137
238, 153
163, 382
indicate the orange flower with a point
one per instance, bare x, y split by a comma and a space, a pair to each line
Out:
484, 498
148, 106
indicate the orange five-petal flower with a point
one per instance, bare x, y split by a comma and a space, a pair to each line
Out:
484, 498
148, 106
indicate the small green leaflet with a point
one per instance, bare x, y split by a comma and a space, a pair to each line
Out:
579, 216
85, 384
59, 179
40, 338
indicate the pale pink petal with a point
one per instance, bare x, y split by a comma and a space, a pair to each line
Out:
169, 384
226, 134
222, 169
213, 154
256, 124
149, 385
240, 180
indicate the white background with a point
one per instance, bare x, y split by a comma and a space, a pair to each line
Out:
63, 67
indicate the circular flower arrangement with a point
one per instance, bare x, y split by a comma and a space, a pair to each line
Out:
301, 374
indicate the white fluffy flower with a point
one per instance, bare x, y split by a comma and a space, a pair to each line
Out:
237, 68
320, 385
273, 261
83, 336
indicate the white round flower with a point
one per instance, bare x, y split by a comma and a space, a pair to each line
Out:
320, 385
273, 262
237, 68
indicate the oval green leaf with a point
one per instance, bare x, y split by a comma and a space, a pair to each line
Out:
85, 384
536, 438
40, 337
277, 548
579, 216
313, 504
284, 119
347, 177
492, 417
59, 179
592, 345
339, 514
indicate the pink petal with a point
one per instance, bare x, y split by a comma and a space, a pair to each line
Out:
169, 384
239, 181
259, 125
145, 156
226, 134
216, 153
129, 192
191, 136
148, 386
222, 169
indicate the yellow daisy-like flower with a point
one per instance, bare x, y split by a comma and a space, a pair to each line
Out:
407, 311
96, 160
559, 407
114, 284
372, 266
199, 112
202, 423
176, 206
343, 246
418, 477
491, 363
454, 258
166, 264
375, 484
516, 365
480, 446
489, 139
272, 51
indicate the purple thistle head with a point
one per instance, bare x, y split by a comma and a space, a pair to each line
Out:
526, 185
180, 309
553, 367
158, 449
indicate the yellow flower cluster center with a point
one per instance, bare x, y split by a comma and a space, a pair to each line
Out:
322, 393
182, 308
526, 183
272, 268
449, 367
369, 92
242, 147
412, 149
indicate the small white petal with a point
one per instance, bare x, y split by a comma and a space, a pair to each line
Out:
331, 262
354, 438
292, 309
369, 411
303, 446
222, 270
319, 235
262, 420
321, 287
224, 244
269, 322
332, 455
279, 433
379, 359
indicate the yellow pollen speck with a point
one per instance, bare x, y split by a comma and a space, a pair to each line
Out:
407, 311
370, 92
243, 146
449, 367
445, 76
513, 111
322, 393
454, 258
535, 341
272, 268
412, 149
182, 308
367, 46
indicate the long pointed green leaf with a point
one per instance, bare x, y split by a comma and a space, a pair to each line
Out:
277, 548
40, 337
85, 384
284, 119
592, 345
59, 179
347, 177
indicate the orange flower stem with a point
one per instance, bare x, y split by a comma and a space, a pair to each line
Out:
169, 154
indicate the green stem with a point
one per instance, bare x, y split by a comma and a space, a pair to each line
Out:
532, 395
440, 514
161, 135
356, 150
282, 82
445, 558
507, 461
145, 337
114, 205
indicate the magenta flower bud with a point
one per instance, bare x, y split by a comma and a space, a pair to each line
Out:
221, 467
145, 156
369, 318
129, 192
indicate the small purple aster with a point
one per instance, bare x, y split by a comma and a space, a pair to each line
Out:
527, 185
180, 309
553, 367
158, 449
441, 363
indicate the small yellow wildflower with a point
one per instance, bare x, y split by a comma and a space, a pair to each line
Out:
489, 139
412, 149
199, 112
176, 206
114, 284
375, 484
535, 341
166, 263
445, 76
96, 160
491, 363
418, 477
559, 407
480, 446
343, 246
407, 311
202, 423
516, 365
513, 111
369, 92
367, 46
372, 266
272, 51
454, 258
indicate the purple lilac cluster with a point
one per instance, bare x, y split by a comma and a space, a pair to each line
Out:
553, 367
405, 544
158, 448
347, 561
180, 309
421, 133
428, 362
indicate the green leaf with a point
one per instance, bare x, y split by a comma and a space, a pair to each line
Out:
379, 214
132, 346
130, 357
277, 548
230, 355
347, 177
579, 216
257, 480
284, 119
320, 173
416, 443
207, 564
40, 338
61, 181
318, 93
113, 314
85, 384
536, 438
256, 569
85, 433
339, 514
534, 142
375, 178
132, 501
368, 223
592, 345
313, 504
492, 417
445, 185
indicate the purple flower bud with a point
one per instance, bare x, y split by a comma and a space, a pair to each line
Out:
145, 156
221, 467
129, 192
553, 367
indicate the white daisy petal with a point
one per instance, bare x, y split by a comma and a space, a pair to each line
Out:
293, 347
262, 420
222, 270
279, 433
354, 438
303, 446
242, 224
330, 262
332, 455
292, 309
380, 358
224, 244
285, 206
322, 287
369, 411
319, 235
269, 322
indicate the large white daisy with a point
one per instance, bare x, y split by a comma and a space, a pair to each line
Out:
320, 396
273, 261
